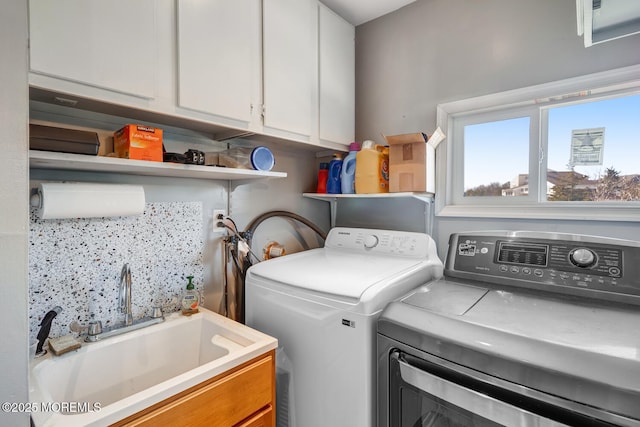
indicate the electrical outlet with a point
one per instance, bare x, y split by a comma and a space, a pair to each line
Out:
218, 216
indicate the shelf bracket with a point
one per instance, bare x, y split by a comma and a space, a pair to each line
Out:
333, 205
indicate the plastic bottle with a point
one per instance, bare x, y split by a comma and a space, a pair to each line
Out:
190, 299
323, 174
372, 169
348, 176
335, 169
384, 170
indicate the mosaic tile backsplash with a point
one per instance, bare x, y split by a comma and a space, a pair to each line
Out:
76, 264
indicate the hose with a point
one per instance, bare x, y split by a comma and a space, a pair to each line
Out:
243, 265
239, 238
224, 303
248, 233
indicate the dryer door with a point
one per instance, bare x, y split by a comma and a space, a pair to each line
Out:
423, 393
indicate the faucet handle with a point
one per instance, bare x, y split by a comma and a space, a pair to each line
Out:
77, 327
94, 328
157, 312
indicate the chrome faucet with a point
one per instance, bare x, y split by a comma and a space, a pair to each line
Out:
124, 295
95, 331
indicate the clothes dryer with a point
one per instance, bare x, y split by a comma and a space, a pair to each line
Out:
524, 329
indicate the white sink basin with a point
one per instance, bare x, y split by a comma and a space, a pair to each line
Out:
106, 381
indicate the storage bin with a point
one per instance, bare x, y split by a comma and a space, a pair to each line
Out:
258, 158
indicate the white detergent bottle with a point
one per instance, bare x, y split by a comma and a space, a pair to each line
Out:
349, 170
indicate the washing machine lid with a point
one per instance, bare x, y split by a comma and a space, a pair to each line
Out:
337, 272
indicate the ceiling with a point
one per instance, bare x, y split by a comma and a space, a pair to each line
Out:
360, 11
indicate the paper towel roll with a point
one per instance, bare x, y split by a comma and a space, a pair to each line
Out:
88, 200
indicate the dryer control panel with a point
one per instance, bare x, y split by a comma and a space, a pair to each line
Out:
566, 263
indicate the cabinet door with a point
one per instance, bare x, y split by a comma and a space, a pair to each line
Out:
106, 44
219, 56
336, 58
289, 62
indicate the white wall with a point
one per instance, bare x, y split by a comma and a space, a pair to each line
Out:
437, 51
14, 208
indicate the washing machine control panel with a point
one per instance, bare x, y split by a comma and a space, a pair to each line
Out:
391, 242
553, 261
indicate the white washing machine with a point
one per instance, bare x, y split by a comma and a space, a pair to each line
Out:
322, 305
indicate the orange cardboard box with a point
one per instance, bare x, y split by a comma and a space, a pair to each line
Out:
138, 142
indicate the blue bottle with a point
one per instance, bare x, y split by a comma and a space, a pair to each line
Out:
335, 170
348, 175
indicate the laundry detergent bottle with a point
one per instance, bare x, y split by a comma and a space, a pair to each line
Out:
323, 176
348, 176
372, 169
335, 171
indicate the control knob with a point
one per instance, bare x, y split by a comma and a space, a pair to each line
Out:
582, 257
371, 241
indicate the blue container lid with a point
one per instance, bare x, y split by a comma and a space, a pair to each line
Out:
262, 159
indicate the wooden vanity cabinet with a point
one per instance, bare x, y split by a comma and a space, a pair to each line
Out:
242, 397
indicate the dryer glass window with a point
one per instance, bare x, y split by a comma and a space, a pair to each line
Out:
423, 410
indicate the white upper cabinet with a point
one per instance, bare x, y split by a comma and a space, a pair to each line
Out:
290, 66
219, 57
104, 44
279, 68
336, 58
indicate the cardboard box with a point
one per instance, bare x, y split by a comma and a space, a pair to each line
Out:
411, 163
138, 142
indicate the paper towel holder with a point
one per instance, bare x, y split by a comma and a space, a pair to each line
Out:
65, 200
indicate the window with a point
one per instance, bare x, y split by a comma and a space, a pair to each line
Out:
594, 150
507, 140
545, 151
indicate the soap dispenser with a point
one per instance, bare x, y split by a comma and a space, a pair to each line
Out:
191, 299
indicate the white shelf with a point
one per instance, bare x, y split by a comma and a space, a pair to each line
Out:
81, 162
334, 198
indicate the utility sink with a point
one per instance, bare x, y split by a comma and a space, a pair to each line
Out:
106, 381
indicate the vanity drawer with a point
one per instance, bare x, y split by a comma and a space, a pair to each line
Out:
245, 394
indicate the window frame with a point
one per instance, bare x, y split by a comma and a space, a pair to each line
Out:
534, 102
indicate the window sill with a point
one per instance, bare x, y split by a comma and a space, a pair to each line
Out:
589, 211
